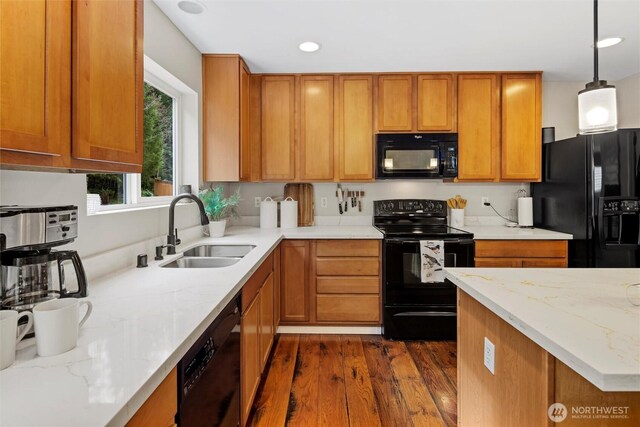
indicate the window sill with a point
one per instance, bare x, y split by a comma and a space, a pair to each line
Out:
132, 208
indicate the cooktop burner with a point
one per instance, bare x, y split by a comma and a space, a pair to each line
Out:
414, 218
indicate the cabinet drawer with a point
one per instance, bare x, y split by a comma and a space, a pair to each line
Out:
545, 263
348, 285
498, 262
348, 308
521, 248
351, 248
347, 266
251, 288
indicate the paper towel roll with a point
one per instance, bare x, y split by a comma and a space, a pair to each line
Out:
288, 213
268, 213
525, 211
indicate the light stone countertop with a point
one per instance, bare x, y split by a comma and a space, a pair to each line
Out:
580, 316
143, 322
502, 232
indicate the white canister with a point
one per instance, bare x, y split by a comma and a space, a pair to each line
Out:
525, 211
457, 218
268, 213
288, 213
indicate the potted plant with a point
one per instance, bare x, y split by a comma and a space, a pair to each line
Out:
218, 208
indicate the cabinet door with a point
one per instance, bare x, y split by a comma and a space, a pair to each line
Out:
354, 124
316, 128
498, 262
250, 356
245, 140
278, 128
267, 328
395, 103
436, 102
521, 127
35, 77
161, 407
221, 82
108, 82
478, 127
276, 289
294, 287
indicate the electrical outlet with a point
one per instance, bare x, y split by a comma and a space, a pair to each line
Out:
257, 201
485, 201
489, 355
323, 202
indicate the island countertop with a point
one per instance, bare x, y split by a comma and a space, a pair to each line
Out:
580, 316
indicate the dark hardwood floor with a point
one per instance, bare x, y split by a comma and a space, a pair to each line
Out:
357, 380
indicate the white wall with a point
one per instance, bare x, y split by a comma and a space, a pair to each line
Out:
628, 94
560, 105
502, 195
166, 45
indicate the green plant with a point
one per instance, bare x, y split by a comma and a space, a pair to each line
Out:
216, 205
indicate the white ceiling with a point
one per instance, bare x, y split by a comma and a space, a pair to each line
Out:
554, 36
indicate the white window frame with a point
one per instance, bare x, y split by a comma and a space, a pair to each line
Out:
185, 105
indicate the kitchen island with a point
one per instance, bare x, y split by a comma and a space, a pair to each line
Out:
542, 345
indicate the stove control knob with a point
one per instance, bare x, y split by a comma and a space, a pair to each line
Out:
431, 206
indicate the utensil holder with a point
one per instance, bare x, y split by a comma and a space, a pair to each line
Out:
457, 218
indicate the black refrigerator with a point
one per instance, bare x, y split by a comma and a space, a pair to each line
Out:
591, 188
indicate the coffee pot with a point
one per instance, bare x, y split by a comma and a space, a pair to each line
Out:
30, 270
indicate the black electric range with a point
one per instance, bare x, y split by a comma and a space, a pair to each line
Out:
415, 308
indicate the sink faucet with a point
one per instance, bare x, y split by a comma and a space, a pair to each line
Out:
172, 237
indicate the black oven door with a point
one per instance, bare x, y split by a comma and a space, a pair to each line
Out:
401, 273
413, 310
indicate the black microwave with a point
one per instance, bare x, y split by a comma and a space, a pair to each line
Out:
416, 155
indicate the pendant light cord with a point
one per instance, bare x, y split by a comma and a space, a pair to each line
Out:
596, 78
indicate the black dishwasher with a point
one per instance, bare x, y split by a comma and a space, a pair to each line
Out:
209, 374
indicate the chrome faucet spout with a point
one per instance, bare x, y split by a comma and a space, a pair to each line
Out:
171, 236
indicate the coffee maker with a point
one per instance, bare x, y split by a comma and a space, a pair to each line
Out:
30, 270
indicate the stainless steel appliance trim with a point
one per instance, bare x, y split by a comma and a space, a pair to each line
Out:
25, 229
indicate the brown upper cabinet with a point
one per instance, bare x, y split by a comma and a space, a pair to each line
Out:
395, 102
35, 77
478, 127
107, 75
416, 103
499, 127
278, 141
354, 128
72, 85
521, 158
316, 151
226, 151
325, 135
436, 102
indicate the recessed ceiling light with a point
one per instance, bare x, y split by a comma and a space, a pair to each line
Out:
308, 46
608, 42
192, 7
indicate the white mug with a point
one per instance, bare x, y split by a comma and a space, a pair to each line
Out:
56, 324
8, 332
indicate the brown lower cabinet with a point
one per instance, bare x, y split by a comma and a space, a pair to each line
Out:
257, 331
161, 407
326, 282
522, 253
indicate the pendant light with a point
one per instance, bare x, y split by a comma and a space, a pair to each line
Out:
597, 101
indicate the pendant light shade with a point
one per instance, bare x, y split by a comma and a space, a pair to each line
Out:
597, 109
597, 106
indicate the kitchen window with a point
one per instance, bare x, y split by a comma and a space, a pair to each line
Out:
163, 134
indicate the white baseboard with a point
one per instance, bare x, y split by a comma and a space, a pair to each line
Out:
341, 330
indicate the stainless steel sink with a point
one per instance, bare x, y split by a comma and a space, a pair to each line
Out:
235, 251
202, 262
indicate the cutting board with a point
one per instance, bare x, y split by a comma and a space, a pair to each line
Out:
303, 194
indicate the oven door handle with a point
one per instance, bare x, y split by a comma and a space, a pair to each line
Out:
425, 314
414, 241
